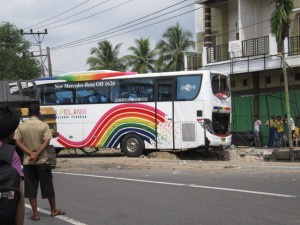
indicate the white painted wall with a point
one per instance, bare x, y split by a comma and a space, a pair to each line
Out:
233, 19
199, 16
255, 18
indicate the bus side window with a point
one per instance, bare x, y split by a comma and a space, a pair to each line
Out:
50, 99
165, 92
165, 97
64, 97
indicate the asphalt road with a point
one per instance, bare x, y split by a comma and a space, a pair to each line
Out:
124, 191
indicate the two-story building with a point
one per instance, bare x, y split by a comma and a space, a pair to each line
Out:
234, 36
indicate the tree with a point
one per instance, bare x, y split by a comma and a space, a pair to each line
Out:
280, 24
173, 46
15, 62
105, 57
143, 58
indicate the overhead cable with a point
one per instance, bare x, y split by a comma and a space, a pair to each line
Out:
107, 32
76, 14
91, 15
139, 28
33, 26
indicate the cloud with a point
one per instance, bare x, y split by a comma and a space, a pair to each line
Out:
26, 13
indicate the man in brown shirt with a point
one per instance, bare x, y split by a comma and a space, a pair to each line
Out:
33, 137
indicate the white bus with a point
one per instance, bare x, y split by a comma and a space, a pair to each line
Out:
160, 111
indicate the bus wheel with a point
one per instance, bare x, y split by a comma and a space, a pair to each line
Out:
132, 145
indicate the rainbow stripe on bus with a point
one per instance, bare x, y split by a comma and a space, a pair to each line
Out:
119, 120
86, 76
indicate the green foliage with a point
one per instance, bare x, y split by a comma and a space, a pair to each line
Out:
143, 58
14, 51
105, 57
280, 22
173, 46
167, 56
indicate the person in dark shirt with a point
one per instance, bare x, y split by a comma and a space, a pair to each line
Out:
9, 121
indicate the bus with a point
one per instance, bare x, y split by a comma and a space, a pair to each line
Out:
138, 112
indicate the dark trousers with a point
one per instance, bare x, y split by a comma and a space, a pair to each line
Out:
272, 134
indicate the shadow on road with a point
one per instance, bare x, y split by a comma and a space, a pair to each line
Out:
181, 155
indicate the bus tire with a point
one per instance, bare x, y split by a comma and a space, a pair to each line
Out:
51, 156
132, 145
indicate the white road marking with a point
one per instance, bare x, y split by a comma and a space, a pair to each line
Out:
64, 218
180, 184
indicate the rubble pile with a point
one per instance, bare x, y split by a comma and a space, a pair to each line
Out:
248, 154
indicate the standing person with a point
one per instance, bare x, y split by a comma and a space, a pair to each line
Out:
9, 121
293, 127
33, 137
279, 136
257, 124
271, 123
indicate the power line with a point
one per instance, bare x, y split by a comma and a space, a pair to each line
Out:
79, 41
76, 14
92, 37
32, 26
95, 36
91, 15
79, 44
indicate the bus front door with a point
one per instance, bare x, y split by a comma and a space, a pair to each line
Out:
164, 105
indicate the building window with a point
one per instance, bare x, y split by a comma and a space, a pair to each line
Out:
297, 76
245, 82
268, 80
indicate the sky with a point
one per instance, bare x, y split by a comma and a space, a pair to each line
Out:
74, 27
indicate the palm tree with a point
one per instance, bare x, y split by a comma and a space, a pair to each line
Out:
143, 58
173, 46
280, 24
105, 57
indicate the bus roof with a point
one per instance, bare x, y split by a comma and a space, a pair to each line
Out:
105, 74
87, 75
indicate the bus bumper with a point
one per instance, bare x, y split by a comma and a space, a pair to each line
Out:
219, 141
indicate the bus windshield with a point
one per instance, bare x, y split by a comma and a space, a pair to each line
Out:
220, 85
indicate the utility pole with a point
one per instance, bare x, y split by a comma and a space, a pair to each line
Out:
49, 62
39, 40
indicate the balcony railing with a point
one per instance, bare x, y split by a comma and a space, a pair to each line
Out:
194, 62
251, 47
217, 54
255, 46
294, 45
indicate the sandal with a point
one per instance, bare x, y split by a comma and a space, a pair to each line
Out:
35, 218
58, 213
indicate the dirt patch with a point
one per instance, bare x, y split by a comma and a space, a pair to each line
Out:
161, 155
233, 153
175, 162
